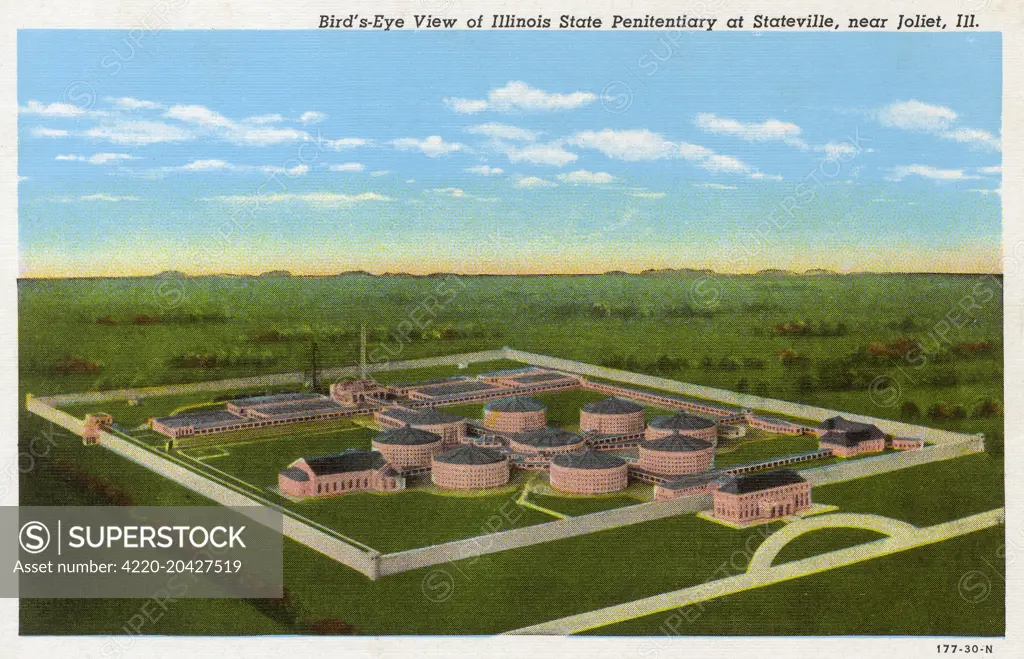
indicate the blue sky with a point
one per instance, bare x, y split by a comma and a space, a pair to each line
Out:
323, 151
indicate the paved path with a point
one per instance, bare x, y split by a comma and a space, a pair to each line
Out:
770, 548
904, 538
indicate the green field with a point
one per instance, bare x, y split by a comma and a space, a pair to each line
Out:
953, 588
86, 334
823, 541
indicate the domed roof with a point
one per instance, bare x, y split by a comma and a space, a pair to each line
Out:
548, 438
588, 460
515, 404
681, 421
676, 443
469, 454
407, 436
612, 405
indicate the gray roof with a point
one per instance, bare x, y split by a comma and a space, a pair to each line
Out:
612, 405
205, 419
844, 432
295, 474
407, 436
688, 481
468, 454
548, 438
276, 398
676, 443
420, 417
352, 459
681, 421
588, 460
515, 404
760, 480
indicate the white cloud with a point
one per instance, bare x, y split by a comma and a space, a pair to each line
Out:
131, 104
206, 165
534, 182
459, 193
380, 172
761, 176
237, 133
503, 132
312, 117
432, 146
49, 132
348, 167
51, 109
200, 115
466, 105
974, 137
486, 170
326, 199
139, 133
839, 150
916, 115
646, 194
629, 145
714, 186
100, 197
264, 136
264, 119
22, 179
582, 176
519, 96
771, 130
641, 144
98, 159
929, 172
987, 191
346, 143
994, 169
542, 154
719, 163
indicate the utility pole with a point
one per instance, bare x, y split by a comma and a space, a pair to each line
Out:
362, 352
313, 369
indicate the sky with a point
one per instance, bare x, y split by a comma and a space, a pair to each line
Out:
507, 151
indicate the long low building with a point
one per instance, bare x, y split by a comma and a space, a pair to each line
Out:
252, 412
848, 438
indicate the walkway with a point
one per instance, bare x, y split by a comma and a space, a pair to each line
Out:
761, 576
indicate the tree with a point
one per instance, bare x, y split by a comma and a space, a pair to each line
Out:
910, 411
742, 385
761, 389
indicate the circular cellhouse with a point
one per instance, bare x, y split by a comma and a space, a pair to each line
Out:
676, 454
546, 441
469, 467
515, 414
689, 425
612, 416
589, 472
407, 446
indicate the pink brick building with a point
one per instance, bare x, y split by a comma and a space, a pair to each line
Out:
850, 438
684, 424
546, 441
686, 485
515, 414
589, 472
407, 446
612, 416
451, 428
468, 467
761, 496
907, 443
676, 454
353, 470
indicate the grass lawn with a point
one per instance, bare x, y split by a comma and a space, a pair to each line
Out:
823, 541
757, 445
923, 495
582, 505
858, 600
